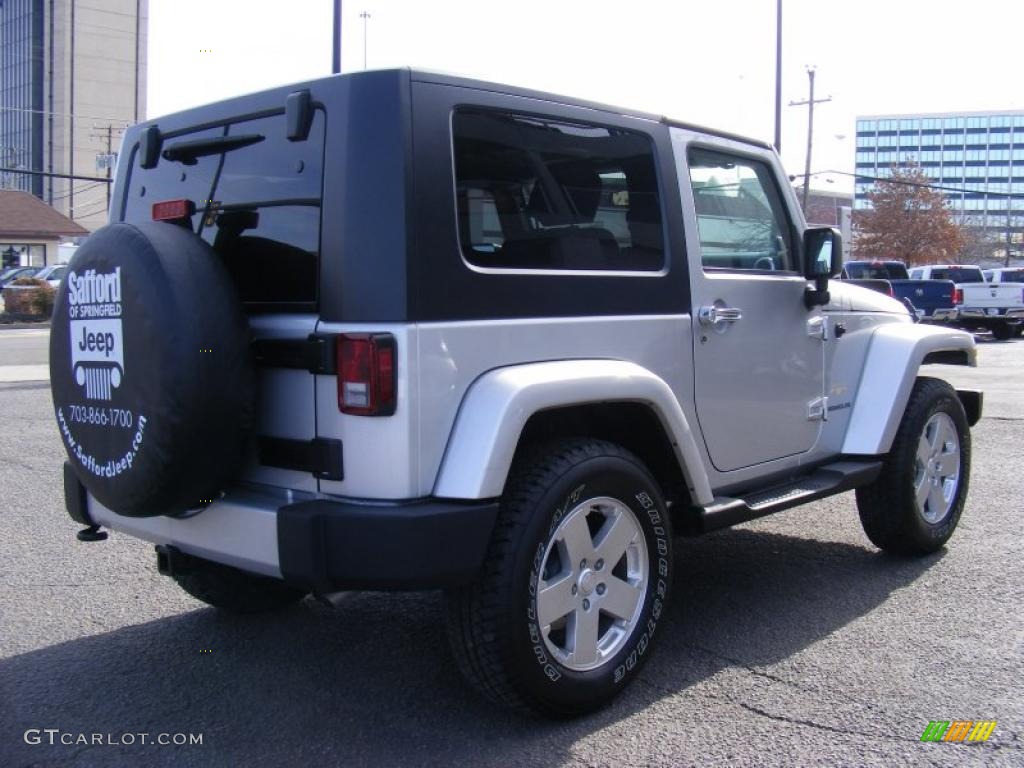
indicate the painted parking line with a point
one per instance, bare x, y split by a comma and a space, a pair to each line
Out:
10, 373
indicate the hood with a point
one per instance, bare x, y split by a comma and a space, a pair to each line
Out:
854, 298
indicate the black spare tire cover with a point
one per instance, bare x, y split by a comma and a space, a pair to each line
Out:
152, 382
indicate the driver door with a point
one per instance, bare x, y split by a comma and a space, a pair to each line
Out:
758, 351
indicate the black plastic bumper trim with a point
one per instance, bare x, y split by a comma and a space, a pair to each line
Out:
321, 456
973, 401
326, 546
75, 500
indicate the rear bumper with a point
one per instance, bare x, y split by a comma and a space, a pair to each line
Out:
981, 317
323, 545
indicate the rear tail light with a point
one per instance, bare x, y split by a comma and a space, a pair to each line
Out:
958, 296
890, 290
367, 374
173, 210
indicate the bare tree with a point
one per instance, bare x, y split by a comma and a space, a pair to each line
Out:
908, 220
980, 242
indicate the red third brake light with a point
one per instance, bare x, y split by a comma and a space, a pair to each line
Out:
173, 210
366, 374
958, 296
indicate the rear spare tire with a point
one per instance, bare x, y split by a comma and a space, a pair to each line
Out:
152, 383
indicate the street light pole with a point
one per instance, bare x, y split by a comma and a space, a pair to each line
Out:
778, 76
336, 40
366, 18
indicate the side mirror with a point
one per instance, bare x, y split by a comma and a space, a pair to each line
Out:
823, 258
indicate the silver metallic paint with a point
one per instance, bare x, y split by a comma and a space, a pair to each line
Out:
498, 405
890, 368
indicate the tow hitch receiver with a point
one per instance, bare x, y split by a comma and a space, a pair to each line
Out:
171, 560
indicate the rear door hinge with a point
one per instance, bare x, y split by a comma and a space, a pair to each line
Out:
817, 328
817, 409
320, 456
318, 353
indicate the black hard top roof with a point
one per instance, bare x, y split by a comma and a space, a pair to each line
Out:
429, 76
245, 103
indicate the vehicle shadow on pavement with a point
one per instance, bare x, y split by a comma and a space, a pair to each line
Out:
373, 682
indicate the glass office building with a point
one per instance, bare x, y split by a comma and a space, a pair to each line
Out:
72, 76
21, 93
978, 159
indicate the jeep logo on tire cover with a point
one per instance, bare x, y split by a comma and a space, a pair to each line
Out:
97, 340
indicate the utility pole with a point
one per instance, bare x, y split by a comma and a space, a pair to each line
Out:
366, 18
810, 102
1009, 230
110, 130
778, 76
106, 133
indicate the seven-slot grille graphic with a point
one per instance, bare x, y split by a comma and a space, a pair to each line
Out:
97, 383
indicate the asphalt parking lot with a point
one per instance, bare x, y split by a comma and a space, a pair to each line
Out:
791, 640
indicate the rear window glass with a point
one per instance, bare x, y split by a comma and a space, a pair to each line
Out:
258, 205
536, 193
1011, 276
876, 271
958, 274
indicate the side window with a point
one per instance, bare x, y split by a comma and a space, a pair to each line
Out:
538, 193
741, 220
915, 274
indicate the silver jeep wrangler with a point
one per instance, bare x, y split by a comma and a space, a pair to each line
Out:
398, 330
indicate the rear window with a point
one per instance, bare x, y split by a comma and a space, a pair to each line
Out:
1011, 276
958, 274
874, 271
539, 193
258, 205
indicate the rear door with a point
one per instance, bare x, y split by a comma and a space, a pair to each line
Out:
258, 204
758, 352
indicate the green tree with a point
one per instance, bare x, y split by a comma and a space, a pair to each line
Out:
908, 220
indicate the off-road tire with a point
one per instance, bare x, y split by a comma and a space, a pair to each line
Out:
493, 624
888, 508
235, 591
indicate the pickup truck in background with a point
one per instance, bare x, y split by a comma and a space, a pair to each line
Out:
997, 307
932, 300
1003, 275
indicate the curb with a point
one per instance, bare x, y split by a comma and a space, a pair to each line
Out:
18, 325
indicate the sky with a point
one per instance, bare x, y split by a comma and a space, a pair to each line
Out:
710, 62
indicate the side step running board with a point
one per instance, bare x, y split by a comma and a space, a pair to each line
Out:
828, 480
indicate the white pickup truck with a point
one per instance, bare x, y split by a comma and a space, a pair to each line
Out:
997, 307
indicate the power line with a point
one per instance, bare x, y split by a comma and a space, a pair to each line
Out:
121, 120
97, 212
80, 190
890, 180
55, 175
